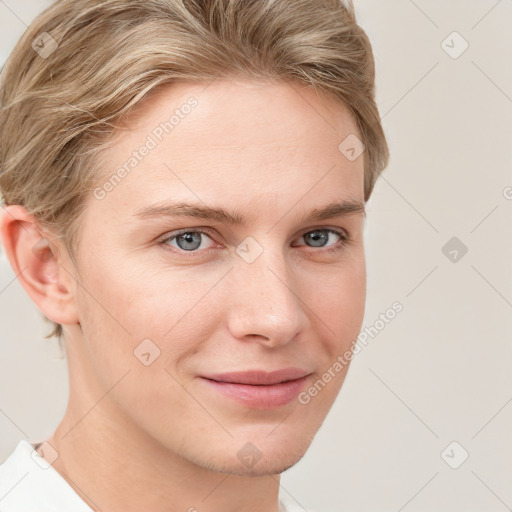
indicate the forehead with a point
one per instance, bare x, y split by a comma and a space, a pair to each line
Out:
231, 140
239, 98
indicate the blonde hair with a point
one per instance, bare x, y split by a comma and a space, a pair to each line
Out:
83, 64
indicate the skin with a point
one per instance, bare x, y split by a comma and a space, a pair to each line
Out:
156, 437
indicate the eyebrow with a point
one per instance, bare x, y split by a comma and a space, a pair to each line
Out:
199, 211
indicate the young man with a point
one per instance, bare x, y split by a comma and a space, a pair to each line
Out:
184, 184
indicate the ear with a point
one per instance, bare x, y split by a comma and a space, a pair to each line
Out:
40, 264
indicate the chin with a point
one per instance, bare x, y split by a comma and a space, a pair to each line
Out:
263, 467
270, 455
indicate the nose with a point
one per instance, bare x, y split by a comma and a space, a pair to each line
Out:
266, 305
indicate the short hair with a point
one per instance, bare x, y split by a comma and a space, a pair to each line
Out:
100, 58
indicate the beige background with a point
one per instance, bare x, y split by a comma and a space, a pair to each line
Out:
440, 371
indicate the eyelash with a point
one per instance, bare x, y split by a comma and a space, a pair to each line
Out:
345, 239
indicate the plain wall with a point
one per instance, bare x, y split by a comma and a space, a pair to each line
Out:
439, 372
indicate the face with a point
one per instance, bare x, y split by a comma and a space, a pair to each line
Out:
205, 258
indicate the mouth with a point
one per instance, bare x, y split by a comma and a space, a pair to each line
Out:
259, 389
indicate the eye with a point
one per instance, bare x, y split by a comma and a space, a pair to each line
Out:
189, 241
192, 240
321, 237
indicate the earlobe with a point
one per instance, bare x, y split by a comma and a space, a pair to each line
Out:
36, 263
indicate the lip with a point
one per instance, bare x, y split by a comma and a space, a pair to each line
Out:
259, 389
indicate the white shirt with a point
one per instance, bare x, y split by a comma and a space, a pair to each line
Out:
29, 484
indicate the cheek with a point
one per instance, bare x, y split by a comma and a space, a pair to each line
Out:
127, 304
338, 300
352, 298
337, 319
126, 314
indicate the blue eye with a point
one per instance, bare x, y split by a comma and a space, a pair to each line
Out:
320, 237
188, 241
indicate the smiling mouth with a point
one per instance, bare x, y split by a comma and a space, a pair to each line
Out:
259, 389
259, 377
